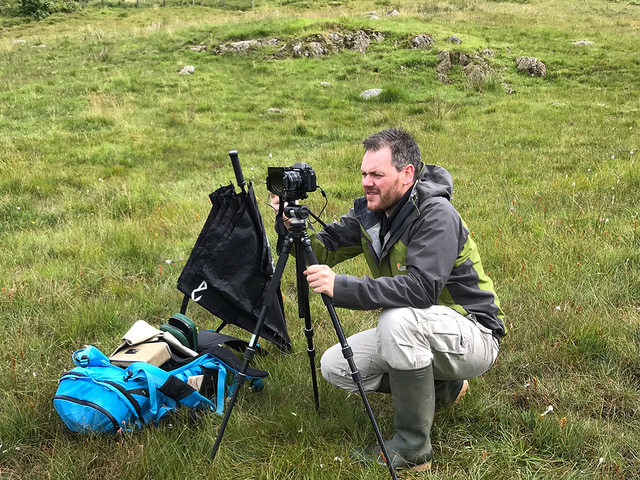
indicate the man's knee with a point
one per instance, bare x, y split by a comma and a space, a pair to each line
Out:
328, 363
332, 366
400, 340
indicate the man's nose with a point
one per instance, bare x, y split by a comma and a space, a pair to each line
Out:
366, 181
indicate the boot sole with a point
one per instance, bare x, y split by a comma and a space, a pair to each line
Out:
421, 468
462, 393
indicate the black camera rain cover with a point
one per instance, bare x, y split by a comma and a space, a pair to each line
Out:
230, 266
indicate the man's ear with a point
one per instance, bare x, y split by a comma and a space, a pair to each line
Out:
408, 173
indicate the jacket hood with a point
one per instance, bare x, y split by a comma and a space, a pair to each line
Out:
434, 181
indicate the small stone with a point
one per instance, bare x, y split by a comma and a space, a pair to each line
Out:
198, 48
274, 110
188, 70
393, 13
422, 41
583, 42
454, 39
371, 93
325, 84
531, 65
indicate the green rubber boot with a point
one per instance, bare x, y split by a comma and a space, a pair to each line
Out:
447, 392
412, 392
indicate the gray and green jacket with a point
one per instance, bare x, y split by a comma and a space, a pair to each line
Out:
426, 258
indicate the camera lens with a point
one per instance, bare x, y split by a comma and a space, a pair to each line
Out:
292, 181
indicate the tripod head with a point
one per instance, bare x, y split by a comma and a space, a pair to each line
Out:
298, 215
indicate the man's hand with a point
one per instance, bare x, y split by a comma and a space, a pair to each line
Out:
321, 279
274, 202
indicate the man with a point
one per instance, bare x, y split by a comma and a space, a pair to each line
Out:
440, 321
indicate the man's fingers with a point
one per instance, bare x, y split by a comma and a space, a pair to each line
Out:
320, 279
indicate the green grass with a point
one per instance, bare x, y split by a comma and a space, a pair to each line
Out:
107, 156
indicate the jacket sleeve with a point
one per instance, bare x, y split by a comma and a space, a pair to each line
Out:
435, 240
338, 241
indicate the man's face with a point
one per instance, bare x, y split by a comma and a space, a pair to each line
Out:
383, 185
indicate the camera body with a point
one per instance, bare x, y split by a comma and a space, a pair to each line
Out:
292, 183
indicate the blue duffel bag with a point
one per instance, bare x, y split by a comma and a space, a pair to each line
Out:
98, 397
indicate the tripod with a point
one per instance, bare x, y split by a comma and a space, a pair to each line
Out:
299, 238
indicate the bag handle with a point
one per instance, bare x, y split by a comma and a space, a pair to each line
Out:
90, 356
137, 373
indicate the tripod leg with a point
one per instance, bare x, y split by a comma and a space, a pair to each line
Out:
348, 355
305, 312
249, 352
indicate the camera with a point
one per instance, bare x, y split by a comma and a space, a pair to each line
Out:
292, 183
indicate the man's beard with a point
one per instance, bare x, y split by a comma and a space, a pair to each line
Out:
385, 202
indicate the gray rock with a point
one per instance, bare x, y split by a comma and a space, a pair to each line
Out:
583, 42
371, 93
313, 46
393, 13
336, 38
358, 42
422, 41
274, 110
475, 73
444, 79
444, 62
310, 49
325, 84
315, 50
487, 52
531, 65
297, 50
188, 70
198, 48
454, 39
243, 46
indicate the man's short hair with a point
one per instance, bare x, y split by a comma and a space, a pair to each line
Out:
404, 150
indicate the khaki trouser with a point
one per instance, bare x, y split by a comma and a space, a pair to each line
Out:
458, 347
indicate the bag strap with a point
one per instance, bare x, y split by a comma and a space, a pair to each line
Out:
170, 385
206, 364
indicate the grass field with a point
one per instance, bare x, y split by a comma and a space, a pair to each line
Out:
107, 155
